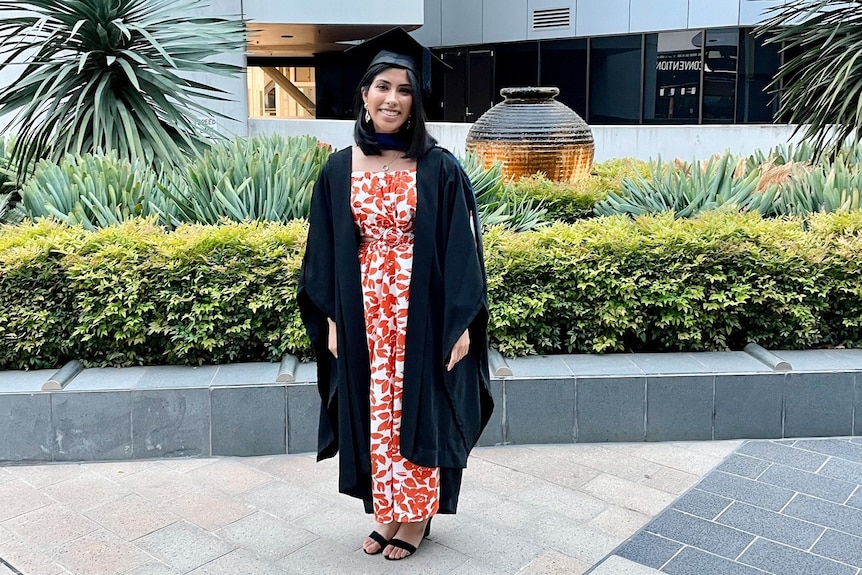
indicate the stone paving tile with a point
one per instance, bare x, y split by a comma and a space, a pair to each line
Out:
153, 568
184, 546
649, 549
39, 476
239, 561
555, 563
808, 483
229, 475
840, 547
100, 553
131, 516
619, 522
495, 547
717, 449
501, 479
702, 504
552, 497
26, 558
159, 483
5, 534
718, 539
670, 455
696, 562
856, 499
270, 537
284, 500
85, 491
784, 454
825, 513
835, 447
19, 498
329, 556
608, 459
744, 466
671, 480
775, 558
560, 533
50, 526
770, 525
842, 469
209, 508
117, 470
474, 567
628, 494
616, 565
746, 490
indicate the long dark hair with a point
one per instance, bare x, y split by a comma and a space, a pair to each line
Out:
416, 136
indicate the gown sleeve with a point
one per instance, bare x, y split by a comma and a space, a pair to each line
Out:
317, 301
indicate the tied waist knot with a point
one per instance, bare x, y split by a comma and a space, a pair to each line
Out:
390, 236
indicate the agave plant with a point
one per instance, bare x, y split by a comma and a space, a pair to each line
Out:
821, 87
93, 191
683, 189
496, 200
111, 74
260, 178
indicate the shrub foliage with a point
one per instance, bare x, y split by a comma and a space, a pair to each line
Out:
137, 293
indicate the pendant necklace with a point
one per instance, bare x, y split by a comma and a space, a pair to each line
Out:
388, 164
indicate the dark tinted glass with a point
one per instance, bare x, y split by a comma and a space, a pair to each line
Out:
515, 65
563, 64
615, 80
757, 64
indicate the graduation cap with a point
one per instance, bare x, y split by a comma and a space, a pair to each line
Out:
398, 48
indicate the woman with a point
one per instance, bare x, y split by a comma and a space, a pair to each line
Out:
393, 295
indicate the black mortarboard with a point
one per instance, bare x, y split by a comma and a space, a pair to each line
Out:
399, 48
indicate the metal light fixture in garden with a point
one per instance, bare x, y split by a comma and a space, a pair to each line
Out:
114, 75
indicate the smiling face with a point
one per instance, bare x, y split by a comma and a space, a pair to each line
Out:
389, 100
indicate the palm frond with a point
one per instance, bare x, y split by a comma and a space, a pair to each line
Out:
112, 74
820, 89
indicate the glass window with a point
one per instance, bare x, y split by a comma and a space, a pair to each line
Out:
281, 92
672, 68
615, 80
515, 65
757, 65
563, 64
720, 57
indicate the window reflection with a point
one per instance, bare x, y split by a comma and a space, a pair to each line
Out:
672, 77
719, 75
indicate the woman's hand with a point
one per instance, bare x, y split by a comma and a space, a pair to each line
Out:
459, 350
332, 340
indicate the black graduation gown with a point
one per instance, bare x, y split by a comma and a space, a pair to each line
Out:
443, 412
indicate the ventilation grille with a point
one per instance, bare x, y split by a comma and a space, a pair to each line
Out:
549, 18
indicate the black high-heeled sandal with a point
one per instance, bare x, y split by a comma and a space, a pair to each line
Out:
380, 540
401, 544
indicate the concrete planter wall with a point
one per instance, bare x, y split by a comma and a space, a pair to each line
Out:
147, 412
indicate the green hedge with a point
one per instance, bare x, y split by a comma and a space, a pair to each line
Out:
138, 294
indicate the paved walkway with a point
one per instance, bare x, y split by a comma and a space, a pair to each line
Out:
524, 509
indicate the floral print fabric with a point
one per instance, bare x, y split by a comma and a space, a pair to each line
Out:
383, 205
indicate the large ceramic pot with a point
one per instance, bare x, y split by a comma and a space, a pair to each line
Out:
531, 132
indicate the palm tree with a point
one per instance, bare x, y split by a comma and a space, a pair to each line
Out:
111, 75
820, 89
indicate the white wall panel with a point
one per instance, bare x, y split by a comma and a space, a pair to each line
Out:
462, 22
405, 12
752, 12
602, 17
504, 20
642, 142
713, 13
431, 32
649, 16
